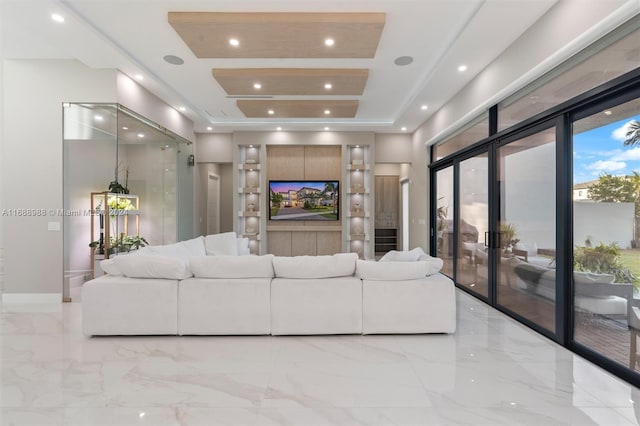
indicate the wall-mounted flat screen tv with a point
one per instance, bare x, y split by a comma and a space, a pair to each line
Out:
304, 200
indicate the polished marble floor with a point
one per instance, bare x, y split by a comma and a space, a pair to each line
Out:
492, 371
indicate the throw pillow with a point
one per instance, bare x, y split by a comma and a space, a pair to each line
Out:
146, 266
221, 244
232, 266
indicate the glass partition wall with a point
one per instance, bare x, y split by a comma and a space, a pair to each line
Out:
123, 177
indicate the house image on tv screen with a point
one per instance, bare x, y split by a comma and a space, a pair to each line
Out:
303, 200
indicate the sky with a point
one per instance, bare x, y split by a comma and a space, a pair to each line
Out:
286, 186
601, 150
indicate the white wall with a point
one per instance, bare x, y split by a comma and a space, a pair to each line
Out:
393, 148
145, 103
386, 169
418, 176
214, 147
603, 222
34, 91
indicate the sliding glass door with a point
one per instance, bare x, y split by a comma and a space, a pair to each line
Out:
444, 219
472, 264
526, 227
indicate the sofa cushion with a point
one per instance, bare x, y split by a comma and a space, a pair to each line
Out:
434, 263
395, 271
591, 278
531, 249
243, 247
148, 266
181, 250
221, 244
109, 267
403, 256
232, 266
337, 265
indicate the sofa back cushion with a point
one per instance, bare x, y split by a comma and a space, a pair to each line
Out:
232, 266
395, 270
221, 244
337, 265
181, 250
403, 256
149, 266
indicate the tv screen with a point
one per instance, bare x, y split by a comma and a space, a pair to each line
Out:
304, 200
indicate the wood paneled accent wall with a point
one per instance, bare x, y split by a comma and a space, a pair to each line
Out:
304, 162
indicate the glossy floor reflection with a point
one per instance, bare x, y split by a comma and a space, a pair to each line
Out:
493, 371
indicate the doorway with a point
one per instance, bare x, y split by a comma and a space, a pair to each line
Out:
213, 204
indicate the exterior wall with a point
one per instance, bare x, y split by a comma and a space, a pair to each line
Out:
34, 91
603, 222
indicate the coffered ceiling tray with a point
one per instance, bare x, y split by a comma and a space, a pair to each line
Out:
279, 35
263, 108
291, 81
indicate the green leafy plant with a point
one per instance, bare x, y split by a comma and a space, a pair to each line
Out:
122, 243
508, 234
119, 203
602, 259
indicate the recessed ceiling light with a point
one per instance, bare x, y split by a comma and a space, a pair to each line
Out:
257, 86
404, 129
182, 109
57, 17
462, 68
141, 135
251, 146
209, 128
608, 112
424, 107
329, 42
357, 146
326, 128
328, 86
278, 128
234, 42
125, 128
139, 77
403, 60
173, 59
327, 112
271, 112
98, 117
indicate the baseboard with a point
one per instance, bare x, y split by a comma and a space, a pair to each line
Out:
28, 298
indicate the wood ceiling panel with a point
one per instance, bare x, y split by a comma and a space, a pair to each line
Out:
279, 35
291, 81
298, 109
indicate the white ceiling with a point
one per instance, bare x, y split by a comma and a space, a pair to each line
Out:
134, 36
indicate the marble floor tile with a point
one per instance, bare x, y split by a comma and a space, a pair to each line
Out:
492, 371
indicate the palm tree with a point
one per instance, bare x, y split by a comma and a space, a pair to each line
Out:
330, 188
633, 134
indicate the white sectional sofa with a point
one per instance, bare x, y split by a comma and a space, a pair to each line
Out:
181, 289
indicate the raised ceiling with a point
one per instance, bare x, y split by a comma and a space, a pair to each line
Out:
134, 36
291, 81
298, 108
279, 35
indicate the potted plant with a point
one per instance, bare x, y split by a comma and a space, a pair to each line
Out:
508, 236
122, 244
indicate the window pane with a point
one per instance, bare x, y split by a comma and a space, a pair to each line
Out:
615, 56
526, 270
474, 132
444, 219
605, 231
472, 266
